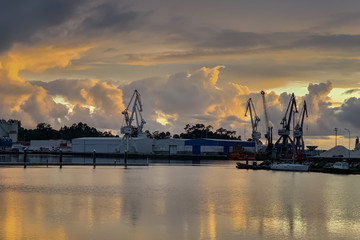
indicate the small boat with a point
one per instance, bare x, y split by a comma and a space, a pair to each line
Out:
254, 166
289, 167
338, 167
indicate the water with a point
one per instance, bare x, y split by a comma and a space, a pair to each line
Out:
175, 201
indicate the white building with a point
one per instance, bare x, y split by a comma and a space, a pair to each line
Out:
144, 145
99, 144
9, 129
141, 145
171, 146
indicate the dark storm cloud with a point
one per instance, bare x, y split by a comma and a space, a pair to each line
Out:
338, 20
20, 20
35, 21
343, 41
110, 16
349, 112
231, 39
68, 88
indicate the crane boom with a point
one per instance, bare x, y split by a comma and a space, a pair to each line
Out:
286, 120
298, 130
285, 144
254, 123
268, 134
136, 112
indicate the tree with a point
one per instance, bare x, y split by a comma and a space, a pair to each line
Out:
44, 131
200, 131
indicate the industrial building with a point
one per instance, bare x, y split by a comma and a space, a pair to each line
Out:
223, 146
8, 133
144, 145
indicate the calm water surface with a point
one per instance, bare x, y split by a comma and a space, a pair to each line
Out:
205, 201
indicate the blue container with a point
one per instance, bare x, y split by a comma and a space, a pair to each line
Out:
5, 142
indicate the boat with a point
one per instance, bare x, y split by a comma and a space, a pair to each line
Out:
289, 167
254, 166
339, 167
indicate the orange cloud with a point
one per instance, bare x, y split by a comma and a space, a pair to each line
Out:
16, 93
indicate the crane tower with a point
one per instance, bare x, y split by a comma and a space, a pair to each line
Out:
129, 130
284, 145
268, 134
254, 124
298, 131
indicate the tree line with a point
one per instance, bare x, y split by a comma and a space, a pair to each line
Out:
44, 131
198, 130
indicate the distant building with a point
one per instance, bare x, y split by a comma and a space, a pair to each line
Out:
222, 146
8, 132
144, 145
50, 145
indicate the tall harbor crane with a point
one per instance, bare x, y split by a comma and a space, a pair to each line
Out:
129, 130
255, 135
268, 134
298, 131
284, 144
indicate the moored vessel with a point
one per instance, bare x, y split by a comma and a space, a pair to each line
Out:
289, 167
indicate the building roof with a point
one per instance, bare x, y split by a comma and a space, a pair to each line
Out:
218, 142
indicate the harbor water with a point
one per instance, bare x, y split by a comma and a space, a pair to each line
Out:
205, 200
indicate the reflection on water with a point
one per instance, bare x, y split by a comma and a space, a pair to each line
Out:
176, 202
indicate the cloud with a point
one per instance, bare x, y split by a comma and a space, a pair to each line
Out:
21, 20
351, 91
92, 100
233, 39
109, 15
41, 107
318, 97
341, 42
339, 20
348, 113
54, 102
40, 22
191, 97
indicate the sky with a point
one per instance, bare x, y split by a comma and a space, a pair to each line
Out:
64, 62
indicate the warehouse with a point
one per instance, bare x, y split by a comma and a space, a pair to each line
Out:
224, 146
144, 145
141, 145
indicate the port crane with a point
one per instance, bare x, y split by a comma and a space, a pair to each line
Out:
129, 130
298, 131
285, 144
255, 135
268, 134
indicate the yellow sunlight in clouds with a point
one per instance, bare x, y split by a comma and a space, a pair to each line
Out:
39, 58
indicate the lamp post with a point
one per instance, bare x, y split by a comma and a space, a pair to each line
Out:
336, 129
349, 141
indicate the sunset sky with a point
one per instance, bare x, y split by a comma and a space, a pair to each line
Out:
199, 61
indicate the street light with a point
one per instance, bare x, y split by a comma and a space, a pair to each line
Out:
336, 129
349, 141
